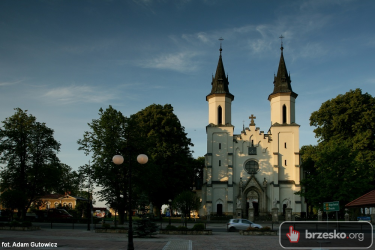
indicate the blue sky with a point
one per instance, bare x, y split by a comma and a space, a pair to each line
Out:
64, 60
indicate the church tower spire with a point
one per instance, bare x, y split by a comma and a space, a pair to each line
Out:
282, 98
220, 99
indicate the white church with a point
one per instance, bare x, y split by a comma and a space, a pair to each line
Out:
253, 169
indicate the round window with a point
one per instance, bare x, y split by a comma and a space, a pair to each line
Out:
252, 167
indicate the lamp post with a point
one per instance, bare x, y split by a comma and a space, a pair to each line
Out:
170, 211
118, 160
88, 200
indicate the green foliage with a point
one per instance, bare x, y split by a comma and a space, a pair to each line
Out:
106, 225
182, 228
26, 224
342, 166
15, 223
108, 136
170, 169
145, 227
13, 199
187, 201
198, 227
28, 150
171, 227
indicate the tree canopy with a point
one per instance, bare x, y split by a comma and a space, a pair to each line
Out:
28, 150
170, 169
108, 136
342, 165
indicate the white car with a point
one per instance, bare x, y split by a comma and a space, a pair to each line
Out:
241, 224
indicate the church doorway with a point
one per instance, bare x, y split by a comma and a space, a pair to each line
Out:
219, 209
252, 201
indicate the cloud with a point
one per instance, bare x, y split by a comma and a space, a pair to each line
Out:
10, 83
181, 62
74, 94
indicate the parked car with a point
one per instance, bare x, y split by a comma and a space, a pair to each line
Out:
241, 224
58, 214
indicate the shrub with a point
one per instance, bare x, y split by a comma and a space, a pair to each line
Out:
198, 227
171, 227
14, 224
182, 228
26, 224
258, 229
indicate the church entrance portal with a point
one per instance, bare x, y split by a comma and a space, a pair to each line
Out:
219, 209
252, 200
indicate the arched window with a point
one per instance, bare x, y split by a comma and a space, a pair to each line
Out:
284, 114
219, 115
56, 204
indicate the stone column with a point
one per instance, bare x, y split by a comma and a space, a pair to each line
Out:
251, 214
275, 214
288, 214
264, 206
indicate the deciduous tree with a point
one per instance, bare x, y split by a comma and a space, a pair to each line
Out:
170, 169
342, 165
28, 150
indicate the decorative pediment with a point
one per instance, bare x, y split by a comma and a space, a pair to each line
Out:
253, 182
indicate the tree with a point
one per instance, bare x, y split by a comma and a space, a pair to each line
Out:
342, 165
28, 150
187, 201
170, 169
70, 181
108, 136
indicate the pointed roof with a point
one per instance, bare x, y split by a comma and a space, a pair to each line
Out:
282, 79
365, 200
220, 81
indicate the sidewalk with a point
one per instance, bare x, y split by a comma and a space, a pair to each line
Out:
78, 239
75, 239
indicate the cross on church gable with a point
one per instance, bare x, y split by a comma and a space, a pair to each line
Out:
252, 117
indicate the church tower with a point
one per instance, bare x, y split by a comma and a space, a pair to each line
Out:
282, 98
217, 190
285, 139
220, 99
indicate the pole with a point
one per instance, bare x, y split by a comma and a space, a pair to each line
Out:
170, 213
88, 202
130, 232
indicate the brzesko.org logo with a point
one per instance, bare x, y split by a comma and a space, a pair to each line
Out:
337, 235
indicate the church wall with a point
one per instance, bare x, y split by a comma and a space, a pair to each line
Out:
286, 156
213, 104
277, 104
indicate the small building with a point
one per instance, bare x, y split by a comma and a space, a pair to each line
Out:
58, 200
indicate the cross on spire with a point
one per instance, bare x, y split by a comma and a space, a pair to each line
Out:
281, 38
221, 39
252, 117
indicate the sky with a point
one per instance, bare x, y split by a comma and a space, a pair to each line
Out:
63, 60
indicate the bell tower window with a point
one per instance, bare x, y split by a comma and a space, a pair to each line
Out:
284, 114
219, 115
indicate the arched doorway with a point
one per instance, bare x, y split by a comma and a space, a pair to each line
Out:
219, 208
252, 200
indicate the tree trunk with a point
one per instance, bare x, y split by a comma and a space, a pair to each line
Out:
121, 215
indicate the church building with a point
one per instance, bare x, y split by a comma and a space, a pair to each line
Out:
252, 169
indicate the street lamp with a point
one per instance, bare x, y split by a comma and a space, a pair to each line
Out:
170, 211
118, 160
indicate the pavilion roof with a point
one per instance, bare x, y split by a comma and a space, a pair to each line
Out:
366, 200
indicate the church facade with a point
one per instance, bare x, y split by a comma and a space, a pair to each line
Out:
252, 169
